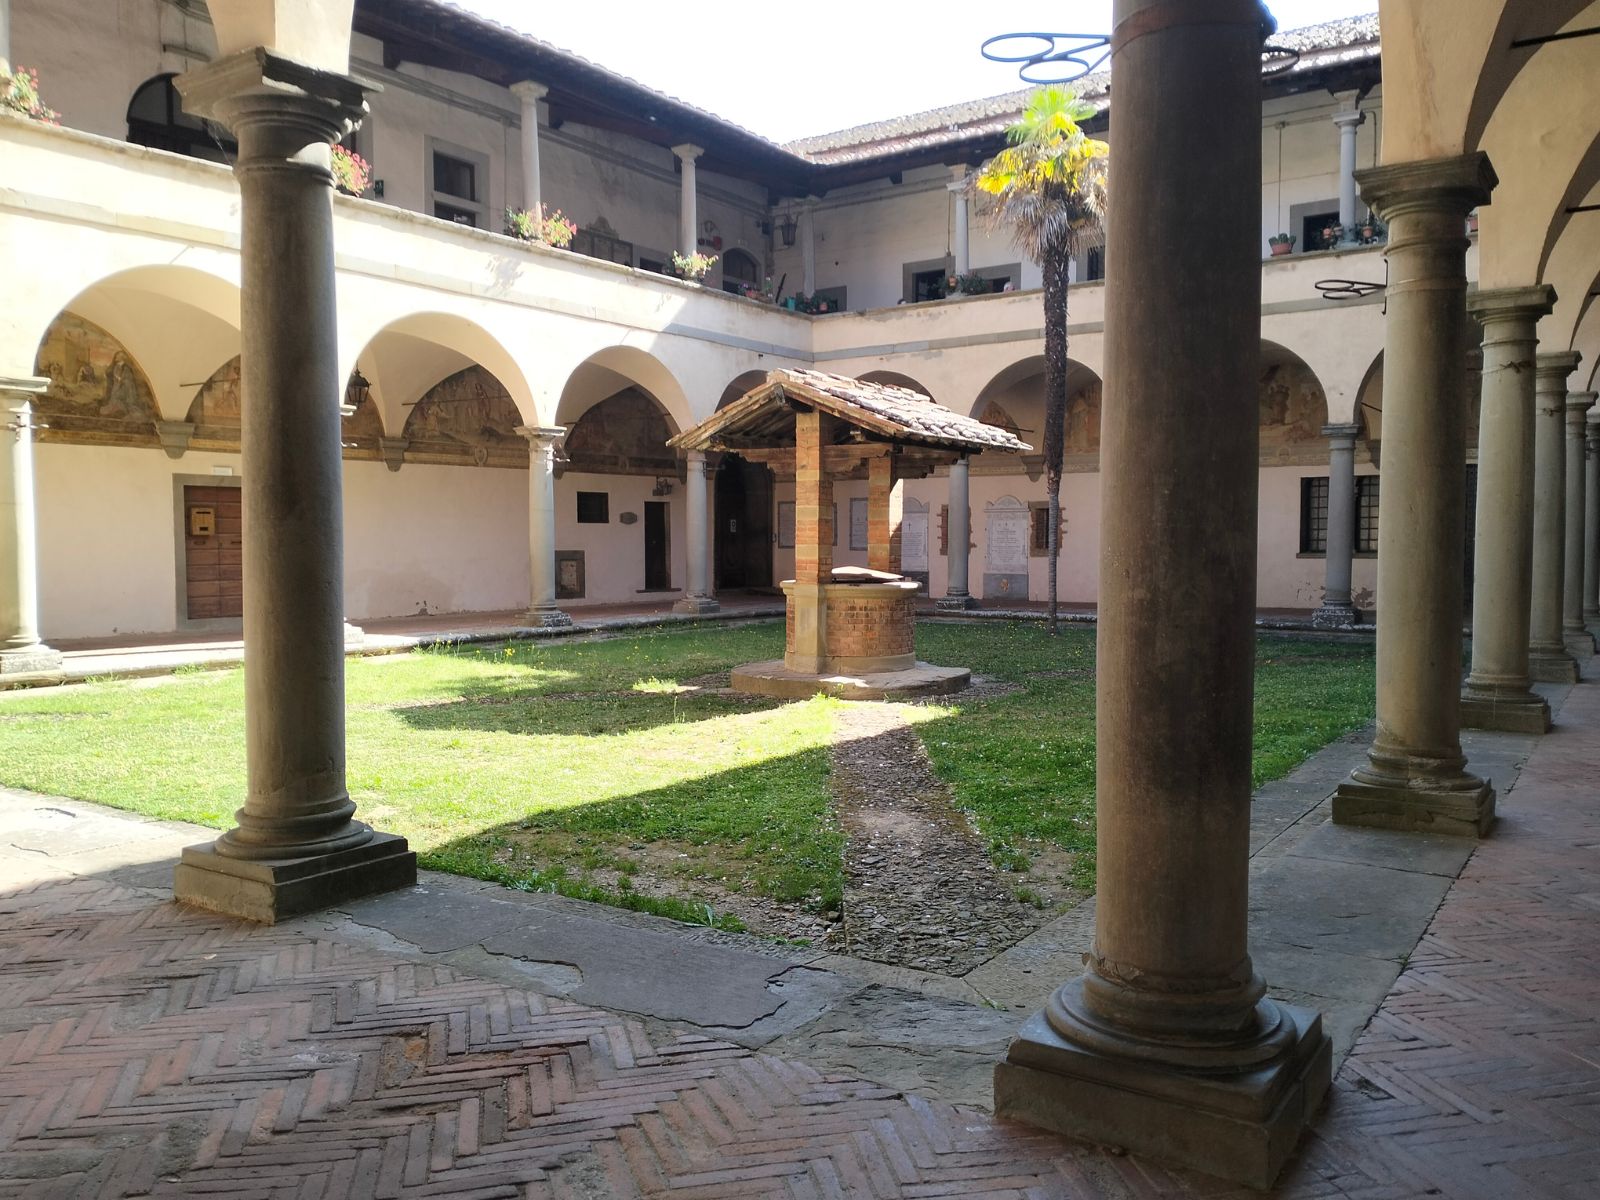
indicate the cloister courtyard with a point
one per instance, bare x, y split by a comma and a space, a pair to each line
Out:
625, 770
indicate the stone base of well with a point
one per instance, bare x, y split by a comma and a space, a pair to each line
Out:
1526, 712
1242, 1126
275, 889
1424, 808
774, 678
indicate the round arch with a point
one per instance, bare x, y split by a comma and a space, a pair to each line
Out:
156, 118
1292, 407
895, 379
586, 384
1014, 399
739, 386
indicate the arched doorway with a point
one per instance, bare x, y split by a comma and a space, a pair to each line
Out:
156, 119
744, 505
740, 271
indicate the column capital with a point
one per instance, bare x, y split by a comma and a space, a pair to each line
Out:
19, 390
1342, 433
1554, 367
528, 91
1350, 117
291, 105
688, 151
694, 457
542, 436
1512, 303
1578, 405
1456, 185
959, 175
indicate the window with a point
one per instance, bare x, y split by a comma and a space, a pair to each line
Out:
156, 119
594, 508
1313, 516
1312, 226
835, 297
1039, 528
457, 185
1366, 514
594, 243
927, 285
1094, 264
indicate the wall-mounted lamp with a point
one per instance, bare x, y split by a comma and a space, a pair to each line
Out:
787, 226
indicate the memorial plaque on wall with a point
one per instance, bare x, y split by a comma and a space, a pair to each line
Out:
914, 541
1005, 549
858, 523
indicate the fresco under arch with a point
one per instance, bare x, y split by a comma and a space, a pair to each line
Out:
98, 395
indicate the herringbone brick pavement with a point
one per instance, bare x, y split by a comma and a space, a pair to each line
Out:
147, 1050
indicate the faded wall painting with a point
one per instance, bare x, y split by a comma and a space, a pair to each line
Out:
469, 418
1083, 420
216, 413
1292, 411
97, 392
995, 414
625, 434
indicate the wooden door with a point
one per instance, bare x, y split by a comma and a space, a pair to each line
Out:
657, 570
213, 538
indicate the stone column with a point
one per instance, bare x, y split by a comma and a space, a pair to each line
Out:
688, 212
529, 94
297, 845
543, 611
1349, 118
885, 514
958, 540
1497, 694
1548, 658
1337, 610
1591, 535
1167, 1043
21, 651
1578, 638
960, 250
697, 597
1415, 776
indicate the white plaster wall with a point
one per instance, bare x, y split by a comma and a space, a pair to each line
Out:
453, 539
1285, 578
614, 552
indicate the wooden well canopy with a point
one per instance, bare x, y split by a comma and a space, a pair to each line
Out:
870, 420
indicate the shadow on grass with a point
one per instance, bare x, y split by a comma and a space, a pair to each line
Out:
576, 714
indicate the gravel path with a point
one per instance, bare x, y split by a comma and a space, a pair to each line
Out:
920, 889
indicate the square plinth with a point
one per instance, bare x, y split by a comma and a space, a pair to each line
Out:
1528, 713
1552, 667
273, 890
1464, 813
1241, 1127
39, 661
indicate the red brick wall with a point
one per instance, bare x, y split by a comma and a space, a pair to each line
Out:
863, 626
885, 505
813, 499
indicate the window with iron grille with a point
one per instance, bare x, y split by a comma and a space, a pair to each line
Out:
1313, 516
594, 508
1366, 514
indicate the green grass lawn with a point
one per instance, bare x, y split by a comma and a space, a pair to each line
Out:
609, 770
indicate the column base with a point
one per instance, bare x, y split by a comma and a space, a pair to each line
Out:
697, 605
37, 659
1336, 616
955, 603
275, 889
1509, 712
546, 618
1579, 642
1240, 1126
1463, 806
1552, 666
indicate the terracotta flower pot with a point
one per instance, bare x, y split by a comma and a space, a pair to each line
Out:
1279, 249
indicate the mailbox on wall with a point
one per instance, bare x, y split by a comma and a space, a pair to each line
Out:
202, 522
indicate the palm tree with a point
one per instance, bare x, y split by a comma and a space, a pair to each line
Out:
1048, 188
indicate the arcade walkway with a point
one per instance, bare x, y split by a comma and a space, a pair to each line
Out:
149, 1050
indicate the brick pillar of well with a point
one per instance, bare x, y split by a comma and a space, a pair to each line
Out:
885, 506
813, 543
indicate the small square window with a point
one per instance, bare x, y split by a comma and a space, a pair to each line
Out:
1313, 516
594, 508
455, 176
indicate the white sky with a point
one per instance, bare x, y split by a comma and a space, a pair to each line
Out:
787, 68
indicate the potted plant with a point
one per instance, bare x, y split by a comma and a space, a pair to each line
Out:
535, 225
352, 174
1281, 243
693, 267
1331, 233
19, 93
970, 284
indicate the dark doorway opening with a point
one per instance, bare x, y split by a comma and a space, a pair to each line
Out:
657, 567
744, 524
